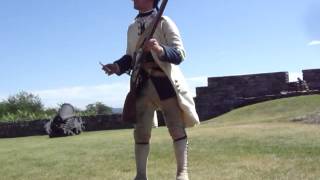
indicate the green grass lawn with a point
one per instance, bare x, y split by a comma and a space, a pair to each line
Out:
253, 142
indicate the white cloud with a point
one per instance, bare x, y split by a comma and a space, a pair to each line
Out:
294, 75
2, 97
194, 82
110, 94
314, 43
199, 79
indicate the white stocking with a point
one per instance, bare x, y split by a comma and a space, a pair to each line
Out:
141, 153
181, 152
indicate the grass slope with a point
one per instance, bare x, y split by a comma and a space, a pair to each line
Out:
281, 110
254, 142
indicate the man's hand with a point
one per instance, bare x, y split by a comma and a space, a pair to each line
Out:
110, 69
154, 45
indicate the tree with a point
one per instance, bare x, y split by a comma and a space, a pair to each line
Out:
51, 111
98, 108
22, 106
3, 108
24, 102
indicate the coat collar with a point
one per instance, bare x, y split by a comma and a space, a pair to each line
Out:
145, 14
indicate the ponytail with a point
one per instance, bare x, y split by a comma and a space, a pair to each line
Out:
155, 4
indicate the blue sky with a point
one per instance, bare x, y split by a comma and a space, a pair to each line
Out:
52, 48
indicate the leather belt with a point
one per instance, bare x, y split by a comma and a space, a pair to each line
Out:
155, 73
149, 65
152, 69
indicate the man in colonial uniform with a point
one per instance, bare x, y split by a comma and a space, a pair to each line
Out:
163, 88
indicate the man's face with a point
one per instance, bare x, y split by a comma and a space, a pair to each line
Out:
143, 5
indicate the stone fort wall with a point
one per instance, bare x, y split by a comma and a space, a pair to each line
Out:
220, 96
91, 123
36, 127
228, 92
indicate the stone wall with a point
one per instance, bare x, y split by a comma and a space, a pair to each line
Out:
22, 128
220, 96
32, 128
312, 77
251, 85
226, 93
104, 122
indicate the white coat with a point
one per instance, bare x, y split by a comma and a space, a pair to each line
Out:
168, 34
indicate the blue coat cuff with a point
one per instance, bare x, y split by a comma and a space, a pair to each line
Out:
171, 55
124, 63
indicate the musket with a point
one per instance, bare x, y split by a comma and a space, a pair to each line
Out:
129, 108
139, 55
